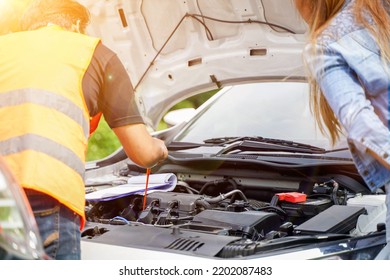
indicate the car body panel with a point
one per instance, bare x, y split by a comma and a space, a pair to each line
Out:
19, 234
170, 56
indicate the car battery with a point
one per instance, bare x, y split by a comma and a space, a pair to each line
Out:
306, 209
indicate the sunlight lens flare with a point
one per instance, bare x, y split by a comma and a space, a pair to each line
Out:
10, 12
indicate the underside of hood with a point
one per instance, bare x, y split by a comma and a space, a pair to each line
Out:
173, 49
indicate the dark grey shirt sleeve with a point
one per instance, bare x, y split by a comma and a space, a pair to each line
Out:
107, 88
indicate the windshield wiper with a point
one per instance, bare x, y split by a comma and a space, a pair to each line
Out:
177, 146
248, 143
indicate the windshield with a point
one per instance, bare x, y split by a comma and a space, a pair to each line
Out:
269, 109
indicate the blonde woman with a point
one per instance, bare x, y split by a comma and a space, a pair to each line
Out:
348, 57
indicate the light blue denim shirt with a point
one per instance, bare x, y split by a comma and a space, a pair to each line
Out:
348, 67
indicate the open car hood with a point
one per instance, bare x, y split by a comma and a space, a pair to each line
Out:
175, 49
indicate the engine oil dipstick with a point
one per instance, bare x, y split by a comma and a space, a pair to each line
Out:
146, 187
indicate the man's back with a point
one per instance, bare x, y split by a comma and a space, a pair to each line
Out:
44, 122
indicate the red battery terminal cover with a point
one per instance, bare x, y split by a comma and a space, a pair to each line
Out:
293, 197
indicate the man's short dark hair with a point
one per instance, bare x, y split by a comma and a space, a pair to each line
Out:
65, 13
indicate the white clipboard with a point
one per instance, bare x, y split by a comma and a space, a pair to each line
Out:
135, 185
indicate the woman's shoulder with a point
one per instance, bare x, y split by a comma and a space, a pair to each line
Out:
342, 24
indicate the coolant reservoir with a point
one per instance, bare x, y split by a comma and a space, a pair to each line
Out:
376, 212
370, 202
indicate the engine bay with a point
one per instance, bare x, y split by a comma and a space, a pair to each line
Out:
244, 216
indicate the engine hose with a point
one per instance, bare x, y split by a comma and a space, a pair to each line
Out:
203, 203
335, 194
187, 187
258, 204
221, 197
237, 250
218, 182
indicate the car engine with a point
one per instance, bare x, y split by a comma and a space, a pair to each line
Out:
242, 214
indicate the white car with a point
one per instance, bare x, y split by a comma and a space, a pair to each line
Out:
19, 235
248, 175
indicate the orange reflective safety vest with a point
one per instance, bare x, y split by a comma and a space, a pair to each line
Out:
44, 121
94, 123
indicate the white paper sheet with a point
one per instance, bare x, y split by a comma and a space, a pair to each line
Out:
135, 185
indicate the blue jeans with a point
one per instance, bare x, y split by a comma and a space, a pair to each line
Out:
58, 225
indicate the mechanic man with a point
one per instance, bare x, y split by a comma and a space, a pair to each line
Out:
53, 79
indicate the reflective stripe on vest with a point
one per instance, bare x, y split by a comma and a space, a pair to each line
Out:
48, 99
42, 145
44, 121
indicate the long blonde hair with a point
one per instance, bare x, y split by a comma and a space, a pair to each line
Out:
322, 12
